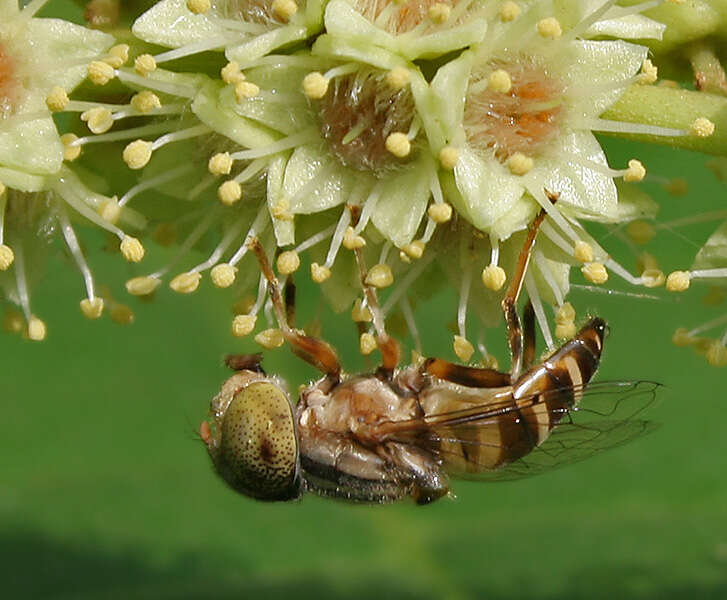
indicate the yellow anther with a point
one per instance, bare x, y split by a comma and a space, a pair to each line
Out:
7, 257
678, 281
448, 157
367, 344
649, 73
220, 164
379, 276
550, 28
145, 64
137, 154
315, 85
440, 213
519, 164
702, 127
360, 313
270, 338
439, 12
92, 309
565, 330
223, 275
70, 153
288, 262
635, 172
185, 283
281, 210
100, 72
493, 277
110, 210
595, 272
245, 89
145, 101
652, 278
36, 329
565, 313
463, 348
231, 73
121, 314
415, 249
199, 7
404, 258
13, 321
132, 249
319, 273
243, 325
490, 362
640, 232
117, 55
284, 9
398, 78
229, 192
717, 354
353, 241
398, 144
57, 99
142, 286
510, 11
499, 81
583, 252
682, 338
677, 187
99, 120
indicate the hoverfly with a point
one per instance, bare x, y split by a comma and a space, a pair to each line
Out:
403, 432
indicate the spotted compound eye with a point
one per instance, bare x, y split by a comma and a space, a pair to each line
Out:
258, 447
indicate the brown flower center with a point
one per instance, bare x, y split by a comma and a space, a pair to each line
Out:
8, 83
524, 119
358, 113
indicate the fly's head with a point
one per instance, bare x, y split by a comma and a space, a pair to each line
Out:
251, 437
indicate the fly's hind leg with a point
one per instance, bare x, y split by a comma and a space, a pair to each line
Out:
312, 350
509, 302
468, 376
528, 335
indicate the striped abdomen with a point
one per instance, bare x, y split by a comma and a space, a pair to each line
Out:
547, 391
474, 431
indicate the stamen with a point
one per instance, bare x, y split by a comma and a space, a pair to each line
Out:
542, 320
75, 249
298, 139
547, 274
464, 294
154, 182
256, 227
337, 239
408, 313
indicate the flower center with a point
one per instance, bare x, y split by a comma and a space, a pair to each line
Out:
398, 17
8, 84
523, 119
358, 113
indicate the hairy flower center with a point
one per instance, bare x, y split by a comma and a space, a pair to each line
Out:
396, 16
8, 83
358, 113
524, 119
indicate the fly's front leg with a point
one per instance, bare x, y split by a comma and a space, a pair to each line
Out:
388, 346
425, 476
312, 350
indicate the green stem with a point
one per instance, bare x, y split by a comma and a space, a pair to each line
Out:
673, 108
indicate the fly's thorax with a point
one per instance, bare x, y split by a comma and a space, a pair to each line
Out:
252, 438
355, 406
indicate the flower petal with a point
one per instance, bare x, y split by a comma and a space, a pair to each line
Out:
590, 192
713, 255
314, 181
403, 200
284, 230
170, 23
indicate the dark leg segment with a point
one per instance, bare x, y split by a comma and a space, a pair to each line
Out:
528, 335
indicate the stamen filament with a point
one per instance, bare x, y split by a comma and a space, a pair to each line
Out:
255, 228
153, 182
173, 89
304, 137
75, 248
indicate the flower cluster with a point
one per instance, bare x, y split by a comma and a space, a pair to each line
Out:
425, 135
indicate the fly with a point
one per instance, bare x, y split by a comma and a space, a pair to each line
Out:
404, 432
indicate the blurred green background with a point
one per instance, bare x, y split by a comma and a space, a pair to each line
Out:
105, 491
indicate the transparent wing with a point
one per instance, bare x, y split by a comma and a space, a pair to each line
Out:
608, 415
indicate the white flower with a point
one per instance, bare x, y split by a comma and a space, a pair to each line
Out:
245, 30
37, 55
520, 110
